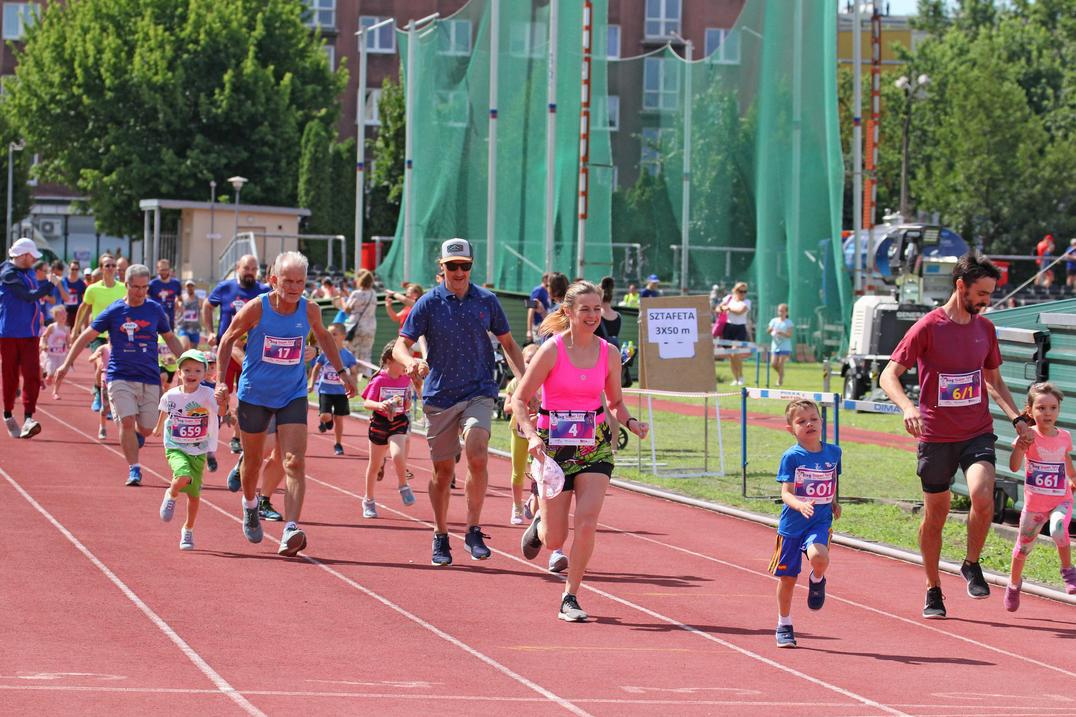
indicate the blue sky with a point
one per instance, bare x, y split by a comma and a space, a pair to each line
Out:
900, 7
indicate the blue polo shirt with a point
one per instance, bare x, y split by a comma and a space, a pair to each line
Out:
132, 332
230, 296
165, 293
459, 350
542, 297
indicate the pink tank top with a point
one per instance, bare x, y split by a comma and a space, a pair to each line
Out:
570, 388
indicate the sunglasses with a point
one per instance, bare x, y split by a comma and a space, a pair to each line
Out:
458, 265
108, 266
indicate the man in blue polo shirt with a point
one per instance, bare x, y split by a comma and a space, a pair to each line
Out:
164, 289
456, 318
538, 306
134, 380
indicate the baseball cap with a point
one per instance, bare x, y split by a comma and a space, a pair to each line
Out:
87, 271
189, 282
653, 277
456, 249
195, 355
24, 246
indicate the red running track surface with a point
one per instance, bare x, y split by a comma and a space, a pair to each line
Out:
104, 615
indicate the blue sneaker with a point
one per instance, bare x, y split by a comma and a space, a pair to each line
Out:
407, 494
816, 594
134, 478
785, 636
141, 439
96, 407
234, 484
442, 554
473, 543
558, 562
266, 510
338, 449
211, 462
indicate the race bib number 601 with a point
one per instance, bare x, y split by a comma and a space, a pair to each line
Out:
816, 485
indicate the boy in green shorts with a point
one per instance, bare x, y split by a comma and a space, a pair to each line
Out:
188, 421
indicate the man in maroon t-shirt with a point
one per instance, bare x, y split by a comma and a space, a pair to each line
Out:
956, 352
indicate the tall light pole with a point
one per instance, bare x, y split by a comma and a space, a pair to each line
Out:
212, 231
12, 147
912, 89
237, 183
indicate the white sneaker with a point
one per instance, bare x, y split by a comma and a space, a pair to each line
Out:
31, 428
187, 542
13, 427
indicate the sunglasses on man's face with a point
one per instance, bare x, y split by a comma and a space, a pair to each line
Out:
108, 266
458, 265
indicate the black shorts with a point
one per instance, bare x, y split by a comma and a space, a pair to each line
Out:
938, 462
255, 419
381, 428
169, 374
603, 467
735, 332
334, 403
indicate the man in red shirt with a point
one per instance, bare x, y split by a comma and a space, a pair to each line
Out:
958, 359
1044, 247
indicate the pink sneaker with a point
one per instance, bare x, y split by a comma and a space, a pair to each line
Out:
1069, 576
1012, 597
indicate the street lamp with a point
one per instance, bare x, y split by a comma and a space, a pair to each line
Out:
11, 148
237, 184
913, 89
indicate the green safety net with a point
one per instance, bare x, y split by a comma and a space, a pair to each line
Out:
765, 173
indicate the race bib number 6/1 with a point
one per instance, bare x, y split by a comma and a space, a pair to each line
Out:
286, 351
571, 428
1045, 478
816, 485
960, 389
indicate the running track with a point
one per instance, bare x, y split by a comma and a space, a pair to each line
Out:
103, 615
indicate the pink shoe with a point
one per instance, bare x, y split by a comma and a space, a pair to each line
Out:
55, 397
1012, 597
1069, 576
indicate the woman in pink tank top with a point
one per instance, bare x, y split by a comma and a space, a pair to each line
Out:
573, 370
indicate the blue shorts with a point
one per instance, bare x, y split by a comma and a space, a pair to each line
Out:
781, 353
194, 336
789, 549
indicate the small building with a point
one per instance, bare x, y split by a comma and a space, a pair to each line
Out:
206, 230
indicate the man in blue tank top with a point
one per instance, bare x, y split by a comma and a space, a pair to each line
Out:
273, 384
456, 318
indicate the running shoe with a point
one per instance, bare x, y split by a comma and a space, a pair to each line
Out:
935, 607
168, 507
409, 475
13, 427
266, 511
528, 514
187, 542
816, 593
252, 527
234, 482
369, 508
96, 407
786, 636
322, 426
473, 543
235, 445
530, 543
977, 587
558, 562
291, 542
101, 435
31, 428
1069, 576
134, 476
517, 514
211, 462
338, 449
407, 495
1012, 597
570, 610
442, 554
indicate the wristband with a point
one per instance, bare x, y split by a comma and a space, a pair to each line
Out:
1021, 417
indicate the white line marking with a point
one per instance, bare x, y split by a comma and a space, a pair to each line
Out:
221, 684
385, 601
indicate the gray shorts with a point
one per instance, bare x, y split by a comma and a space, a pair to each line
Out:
134, 398
444, 425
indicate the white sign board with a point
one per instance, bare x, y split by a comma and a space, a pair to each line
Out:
675, 330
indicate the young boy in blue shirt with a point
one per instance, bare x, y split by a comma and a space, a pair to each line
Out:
808, 478
332, 398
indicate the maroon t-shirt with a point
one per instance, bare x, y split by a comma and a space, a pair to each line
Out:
951, 357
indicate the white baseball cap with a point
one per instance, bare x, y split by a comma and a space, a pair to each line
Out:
456, 249
24, 246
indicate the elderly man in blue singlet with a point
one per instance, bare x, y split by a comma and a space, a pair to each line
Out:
273, 383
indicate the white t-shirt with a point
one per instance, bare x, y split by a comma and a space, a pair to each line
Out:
738, 318
191, 425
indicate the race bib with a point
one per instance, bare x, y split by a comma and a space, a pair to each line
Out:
238, 304
330, 376
282, 351
816, 485
190, 315
1045, 478
190, 429
571, 428
58, 349
960, 389
397, 395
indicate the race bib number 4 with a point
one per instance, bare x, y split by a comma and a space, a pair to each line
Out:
960, 389
1045, 478
283, 351
190, 429
816, 485
571, 428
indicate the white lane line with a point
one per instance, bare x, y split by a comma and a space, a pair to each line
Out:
220, 683
385, 601
668, 620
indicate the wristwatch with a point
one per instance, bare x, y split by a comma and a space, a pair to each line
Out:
1021, 417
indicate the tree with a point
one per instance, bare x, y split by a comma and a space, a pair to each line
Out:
128, 99
387, 171
314, 179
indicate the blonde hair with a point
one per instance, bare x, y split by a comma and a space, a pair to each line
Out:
799, 404
365, 279
739, 285
557, 321
782, 306
1042, 388
55, 310
529, 350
